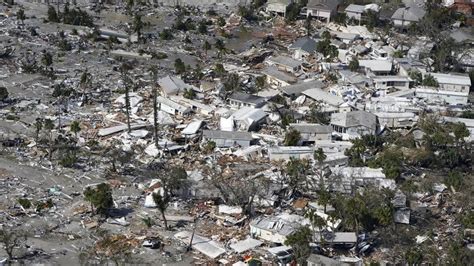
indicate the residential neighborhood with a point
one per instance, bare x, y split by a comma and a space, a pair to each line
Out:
236, 132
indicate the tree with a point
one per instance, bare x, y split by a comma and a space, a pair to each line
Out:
308, 25
20, 15
219, 70
49, 126
127, 82
316, 114
138, 25
327, 49
398, 54
416, 76
354, 64
240, 186
38, 126
296, 174
430, 81
221, 22
292, 137
3, 93
179, 66
454, 179
326, 35
11, 239
100, 197
189, 94
340, 19
52, 14
166, 35
202, 28
260, 82
371, 19
162, 204
85, 82
316, 221
299, 241
220, 46
206, 46
154, 72
231, 84
47, 59
75, 127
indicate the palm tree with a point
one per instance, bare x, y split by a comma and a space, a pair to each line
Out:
154, 71
162, 204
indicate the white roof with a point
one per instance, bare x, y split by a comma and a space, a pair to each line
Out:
451, 79
376, 65
244, 245
204, 245
172, 104
390, 78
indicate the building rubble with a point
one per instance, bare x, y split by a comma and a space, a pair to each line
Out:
226, 133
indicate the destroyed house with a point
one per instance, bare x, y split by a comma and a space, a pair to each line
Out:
284, 63
226, 139
273, 229
172, 85
331, 103
339, 238
286, 153
296, 90
241, 99
172, 107
313, 132
355, 123
320, 260
396, 119
303, 48
278, 78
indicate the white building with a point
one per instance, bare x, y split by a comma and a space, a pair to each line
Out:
386, 82
278, 6
321, 9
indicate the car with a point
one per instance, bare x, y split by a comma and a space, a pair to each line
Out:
152, 243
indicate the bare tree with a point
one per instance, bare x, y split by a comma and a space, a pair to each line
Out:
154, 71
11, 239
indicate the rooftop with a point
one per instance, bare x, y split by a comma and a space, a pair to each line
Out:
284, 61
247, 98
297, 89
354, 119
311, 128
235, 135
322, 96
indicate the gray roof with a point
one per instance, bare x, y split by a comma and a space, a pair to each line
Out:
354, 119
234, 135
284, 61
315, 259
330, 5
322, 96
353, 8
246, 98
275, 224
413, 14
311, 128
283, 76
297, 89
172, 85
306, 44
